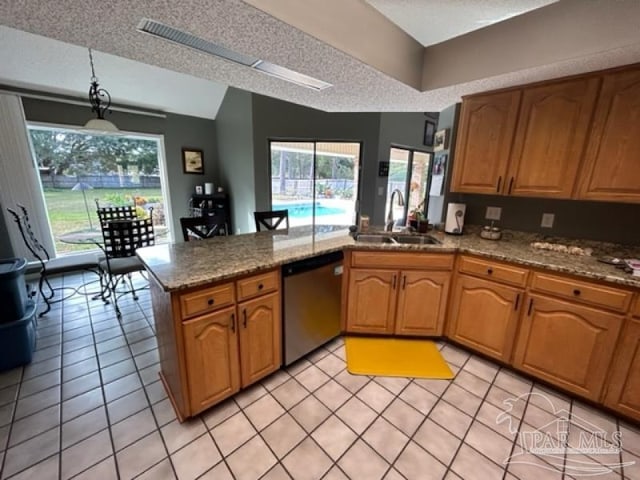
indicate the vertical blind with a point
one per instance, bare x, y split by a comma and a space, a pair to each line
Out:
19, 180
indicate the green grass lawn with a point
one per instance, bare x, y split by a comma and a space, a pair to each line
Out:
67, 212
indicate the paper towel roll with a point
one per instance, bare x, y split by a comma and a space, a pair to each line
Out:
455, 218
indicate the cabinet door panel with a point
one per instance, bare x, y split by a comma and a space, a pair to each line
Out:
422, 302
566, 344
623, 393
371, 301
612, 168
487, 123
484, 316
549, 142
260, 348
211, 350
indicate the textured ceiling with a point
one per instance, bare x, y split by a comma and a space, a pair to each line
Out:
434, 21
238, 26
39, 63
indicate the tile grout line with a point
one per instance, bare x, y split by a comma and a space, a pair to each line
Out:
515, 440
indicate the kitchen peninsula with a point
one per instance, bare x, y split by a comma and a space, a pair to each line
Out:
217, 308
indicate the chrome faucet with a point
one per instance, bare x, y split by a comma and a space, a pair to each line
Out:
390, 220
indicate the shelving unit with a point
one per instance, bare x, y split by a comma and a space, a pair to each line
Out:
215, 204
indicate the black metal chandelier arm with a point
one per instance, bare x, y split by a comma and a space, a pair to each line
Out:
100, 99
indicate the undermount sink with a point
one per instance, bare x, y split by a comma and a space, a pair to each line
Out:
373, 238
397, 239
417, 239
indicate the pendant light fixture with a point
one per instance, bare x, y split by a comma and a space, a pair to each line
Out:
100, 102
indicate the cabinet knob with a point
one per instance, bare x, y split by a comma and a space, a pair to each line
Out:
489, 271
576, 292
260, 286
210, 301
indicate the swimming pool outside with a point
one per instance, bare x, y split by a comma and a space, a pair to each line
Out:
328, 212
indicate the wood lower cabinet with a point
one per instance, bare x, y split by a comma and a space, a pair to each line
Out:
211, 354
623, 389
371, 300
422, 303
260, 338
566, 344
210, 345
484, 316
405, 302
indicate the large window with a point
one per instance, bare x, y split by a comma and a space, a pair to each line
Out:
409, 174
316, 181
77, 168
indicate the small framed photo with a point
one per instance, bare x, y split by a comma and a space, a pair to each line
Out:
198, 189
439, 164
429, 132
193, 161
441, 140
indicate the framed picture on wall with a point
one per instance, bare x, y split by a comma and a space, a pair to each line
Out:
429, 132
193, 161
440, 140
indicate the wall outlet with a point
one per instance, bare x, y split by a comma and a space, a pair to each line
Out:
547, 220
493, 213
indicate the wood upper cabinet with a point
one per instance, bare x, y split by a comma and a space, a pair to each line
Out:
487, 123
552, 128
371, 301
211, 351
612, 161
422, 303
566, 344
484, 316
260, 333
623, 390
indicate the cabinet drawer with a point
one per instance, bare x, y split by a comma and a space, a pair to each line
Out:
402, 260
257, 285
494, 271
206, 300
583, 292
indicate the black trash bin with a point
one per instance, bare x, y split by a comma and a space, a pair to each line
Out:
13, 290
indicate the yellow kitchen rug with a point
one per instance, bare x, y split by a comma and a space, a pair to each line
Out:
395, 357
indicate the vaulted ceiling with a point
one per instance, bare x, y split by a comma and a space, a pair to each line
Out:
373, 53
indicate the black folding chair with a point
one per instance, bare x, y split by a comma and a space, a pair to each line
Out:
121, 240
50, 267
196, 228
271, 220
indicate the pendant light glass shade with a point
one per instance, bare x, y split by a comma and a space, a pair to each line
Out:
101, 125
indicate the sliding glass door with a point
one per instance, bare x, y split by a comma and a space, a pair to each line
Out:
317, 182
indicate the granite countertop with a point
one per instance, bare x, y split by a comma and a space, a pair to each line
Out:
184, 265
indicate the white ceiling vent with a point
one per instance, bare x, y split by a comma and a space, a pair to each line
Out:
185, 39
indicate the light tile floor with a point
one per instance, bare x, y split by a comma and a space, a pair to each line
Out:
90, 406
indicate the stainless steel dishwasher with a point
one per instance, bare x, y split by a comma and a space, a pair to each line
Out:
312, 293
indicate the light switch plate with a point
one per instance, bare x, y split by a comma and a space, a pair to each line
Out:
493, 213
547, 220
380, 191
